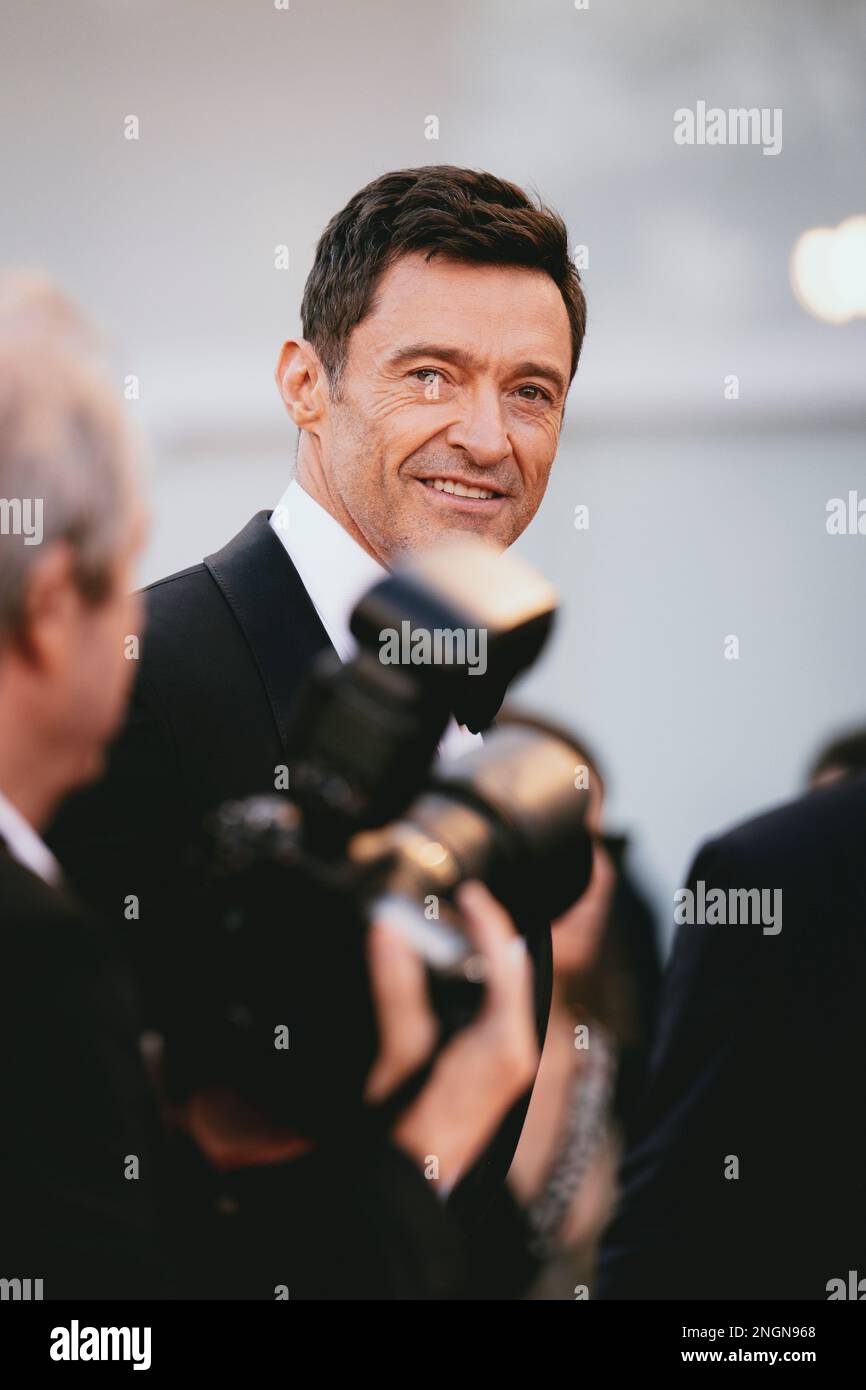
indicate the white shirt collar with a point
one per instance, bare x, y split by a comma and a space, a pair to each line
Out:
25, 845
336, 571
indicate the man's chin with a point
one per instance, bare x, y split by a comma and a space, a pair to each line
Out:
439, 521
484, 533
427, 537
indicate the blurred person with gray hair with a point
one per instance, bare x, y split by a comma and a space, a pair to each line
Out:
77, 1197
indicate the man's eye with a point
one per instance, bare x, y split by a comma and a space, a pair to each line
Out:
427, 375
540, 393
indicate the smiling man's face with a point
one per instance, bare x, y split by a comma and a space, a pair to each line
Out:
449, 407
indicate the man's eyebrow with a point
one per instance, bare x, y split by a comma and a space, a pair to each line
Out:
458, 356
463, 359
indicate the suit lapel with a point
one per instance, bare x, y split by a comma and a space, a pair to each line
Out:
273, 610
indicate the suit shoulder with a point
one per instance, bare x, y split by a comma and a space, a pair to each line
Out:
823, 812
172, 586
34, 912
173, 578
829, 822
184, 605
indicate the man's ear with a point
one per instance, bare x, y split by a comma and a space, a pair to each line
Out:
302, 382
50, 601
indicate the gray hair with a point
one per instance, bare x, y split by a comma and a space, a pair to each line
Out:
67, 454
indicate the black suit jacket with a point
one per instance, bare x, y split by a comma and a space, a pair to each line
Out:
760, 1055
75, 1103
226, 646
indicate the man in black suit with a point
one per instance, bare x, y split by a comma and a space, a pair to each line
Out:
90, 1205
443, 321
747, 1177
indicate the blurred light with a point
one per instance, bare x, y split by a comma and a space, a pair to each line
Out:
828, 271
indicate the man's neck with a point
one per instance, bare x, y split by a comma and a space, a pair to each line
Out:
311, 477
28, 778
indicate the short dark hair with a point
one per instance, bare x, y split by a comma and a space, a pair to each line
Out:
439, 209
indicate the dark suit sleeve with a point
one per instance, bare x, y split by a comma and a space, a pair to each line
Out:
78, 1205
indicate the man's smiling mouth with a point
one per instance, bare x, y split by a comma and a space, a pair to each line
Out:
458, 489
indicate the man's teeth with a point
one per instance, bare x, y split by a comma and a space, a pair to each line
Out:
459, 489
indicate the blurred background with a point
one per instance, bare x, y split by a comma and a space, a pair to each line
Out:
707, 502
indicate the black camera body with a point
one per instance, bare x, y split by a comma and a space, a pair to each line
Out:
373, 826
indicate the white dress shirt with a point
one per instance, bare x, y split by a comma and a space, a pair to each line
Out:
335, 571
25, 845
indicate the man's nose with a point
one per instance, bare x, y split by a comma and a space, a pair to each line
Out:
481, 431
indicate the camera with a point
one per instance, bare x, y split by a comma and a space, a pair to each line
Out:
372, 825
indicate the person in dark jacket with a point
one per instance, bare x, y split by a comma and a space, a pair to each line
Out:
746, 1177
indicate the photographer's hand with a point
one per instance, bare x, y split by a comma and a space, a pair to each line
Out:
478, 1076
483, 1070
